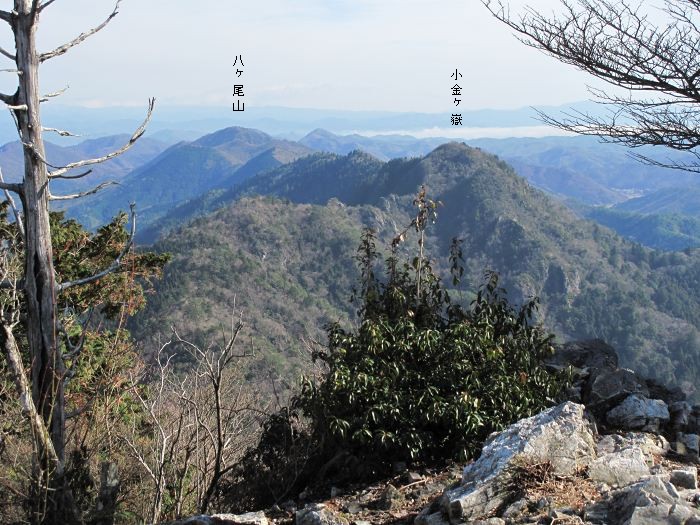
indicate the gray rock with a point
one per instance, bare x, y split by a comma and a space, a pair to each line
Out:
490, 521
691, 442
694, 420
686, 478
515, 509
660, 391
318, 514
412, 477
250, 518
653, 501
611, 387
353, 507
594, 355
619, 468
649, 444
680, 415
426, 517
561, 435
639, 413
391, 498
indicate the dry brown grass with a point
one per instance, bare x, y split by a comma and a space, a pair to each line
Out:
538, 480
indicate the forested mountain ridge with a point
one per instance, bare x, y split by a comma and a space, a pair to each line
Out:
188, 169
592, 283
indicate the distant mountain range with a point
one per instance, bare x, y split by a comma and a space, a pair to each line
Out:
143, 151
186, 170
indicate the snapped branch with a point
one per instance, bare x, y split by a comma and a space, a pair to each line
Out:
112, 267
24, 393
80, 38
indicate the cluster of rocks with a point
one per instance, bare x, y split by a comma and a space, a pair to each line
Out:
628, 484
621, 400
614, 435
619, 450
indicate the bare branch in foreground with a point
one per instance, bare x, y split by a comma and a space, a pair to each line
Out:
7, 99
112, 267
45, 5
82, 193
24, 393
10, 186
13, 205
55, 94
60, 132
80, 38
7, 54
78, 176
91, 162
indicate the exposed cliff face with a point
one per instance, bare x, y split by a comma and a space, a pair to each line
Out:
621, 451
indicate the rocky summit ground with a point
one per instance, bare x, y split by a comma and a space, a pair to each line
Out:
620, 451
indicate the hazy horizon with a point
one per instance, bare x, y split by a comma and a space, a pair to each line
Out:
356, 55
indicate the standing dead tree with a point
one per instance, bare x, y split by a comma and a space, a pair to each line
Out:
651, 57
45, 407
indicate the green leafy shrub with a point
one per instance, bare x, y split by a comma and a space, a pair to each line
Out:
422, 377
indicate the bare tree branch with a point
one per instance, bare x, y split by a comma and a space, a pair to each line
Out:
78, 176
113, 267
94, 190
658, 66
80, 38
7, 99
24, 393
90, 162
8, 54
35, 9
60, 132
6, 16
10, 186
55, 94
13, 205
45, 5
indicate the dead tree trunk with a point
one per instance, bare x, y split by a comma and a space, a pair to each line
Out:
53, 501
39, 286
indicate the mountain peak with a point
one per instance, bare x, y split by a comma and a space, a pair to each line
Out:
318, 133
233, 134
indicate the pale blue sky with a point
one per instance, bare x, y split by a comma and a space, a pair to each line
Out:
337, 54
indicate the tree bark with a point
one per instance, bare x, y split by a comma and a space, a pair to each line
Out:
39, 289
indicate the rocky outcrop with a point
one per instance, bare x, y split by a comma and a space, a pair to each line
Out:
639, 413
561, 435
628, 479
